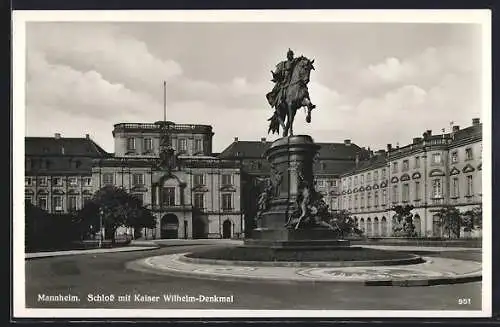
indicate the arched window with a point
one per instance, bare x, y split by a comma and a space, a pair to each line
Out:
376, 227
369, 230
383, 227
417, 224
436, 226
362, 224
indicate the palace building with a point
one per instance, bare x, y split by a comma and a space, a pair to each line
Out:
196, 193
171, 168
431, 172
58, 171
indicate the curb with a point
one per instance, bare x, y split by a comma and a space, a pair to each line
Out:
414, 259
140, 265
424, 282
42, 255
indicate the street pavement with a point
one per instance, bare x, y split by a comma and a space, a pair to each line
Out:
101, 275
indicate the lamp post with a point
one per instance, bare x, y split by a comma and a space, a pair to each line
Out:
101, 212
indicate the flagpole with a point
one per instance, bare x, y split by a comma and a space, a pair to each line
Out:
164, 101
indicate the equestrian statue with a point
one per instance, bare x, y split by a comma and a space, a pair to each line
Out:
290, 92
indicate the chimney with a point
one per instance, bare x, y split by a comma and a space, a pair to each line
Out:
236, 139
347, 142
263, 139
57, 136
456, 128
389, 147
87, 136
429, 132
417, 140
475, 121
380, 152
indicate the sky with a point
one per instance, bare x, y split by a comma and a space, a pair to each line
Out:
374, 83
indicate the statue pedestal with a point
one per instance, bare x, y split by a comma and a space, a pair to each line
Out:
291, 160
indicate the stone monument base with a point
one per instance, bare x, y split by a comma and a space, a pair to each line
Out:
296, 240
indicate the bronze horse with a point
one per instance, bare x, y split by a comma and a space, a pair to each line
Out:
294, 96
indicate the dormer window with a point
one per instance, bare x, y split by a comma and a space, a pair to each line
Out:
468, 154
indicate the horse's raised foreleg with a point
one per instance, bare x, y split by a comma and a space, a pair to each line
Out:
307, 103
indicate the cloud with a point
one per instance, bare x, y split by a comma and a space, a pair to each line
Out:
64, 89
91, 76
407, 111
118, 57
423, 69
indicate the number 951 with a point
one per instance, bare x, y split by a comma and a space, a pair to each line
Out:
464, 301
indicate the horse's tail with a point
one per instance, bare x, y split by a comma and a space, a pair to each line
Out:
274, 125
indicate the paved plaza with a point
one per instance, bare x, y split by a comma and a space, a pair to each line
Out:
110, 274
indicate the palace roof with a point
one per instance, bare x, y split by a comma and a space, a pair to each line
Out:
256, 149
61, 156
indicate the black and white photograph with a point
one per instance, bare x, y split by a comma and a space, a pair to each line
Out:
285, 163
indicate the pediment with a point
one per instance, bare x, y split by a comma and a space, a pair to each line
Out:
383, 184
355, 190
227, 188
87, 192
139, 189
73, 191
343, 192
200, 188
436, 172
454, 171
405, 177
57, 191
361, 189
480, 167
375, 187
349, 191
29, 192
394, 179
368, 188
416, 175
468, 168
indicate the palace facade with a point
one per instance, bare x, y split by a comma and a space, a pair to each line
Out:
58, 171
195, 193
431, 172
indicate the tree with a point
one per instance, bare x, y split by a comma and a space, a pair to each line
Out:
345, 223
450, 220
472, 219
402, 222
117, 208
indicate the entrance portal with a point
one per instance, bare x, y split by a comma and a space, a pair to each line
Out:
169, 226
199, 227
226, 229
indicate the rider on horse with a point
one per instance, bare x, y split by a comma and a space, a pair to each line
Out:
283, 81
